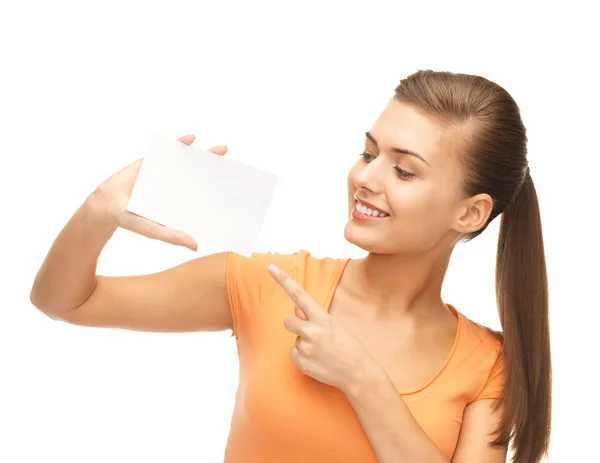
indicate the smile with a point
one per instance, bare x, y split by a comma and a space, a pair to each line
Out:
363, 212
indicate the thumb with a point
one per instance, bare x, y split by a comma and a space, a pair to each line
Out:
157, 231
176, 237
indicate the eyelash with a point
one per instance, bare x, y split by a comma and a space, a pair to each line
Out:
401, 173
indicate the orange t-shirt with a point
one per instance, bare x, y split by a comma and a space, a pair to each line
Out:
284, 416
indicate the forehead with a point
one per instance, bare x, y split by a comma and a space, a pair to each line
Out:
403, 126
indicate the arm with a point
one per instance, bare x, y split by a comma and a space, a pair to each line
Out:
189, 297
480, 421
397, 437
389, 425
67, 276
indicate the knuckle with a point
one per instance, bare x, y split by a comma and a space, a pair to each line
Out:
297, 293
170, 236
302, 364
304, 347
313, 334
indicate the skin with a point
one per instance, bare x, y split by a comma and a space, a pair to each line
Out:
392, 297
388, 329
382, 306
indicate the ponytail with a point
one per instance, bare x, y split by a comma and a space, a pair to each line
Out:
522, 298
491, 141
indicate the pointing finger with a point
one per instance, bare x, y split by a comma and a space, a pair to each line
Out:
297, 293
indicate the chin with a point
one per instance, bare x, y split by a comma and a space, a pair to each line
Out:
381, 243
362, 238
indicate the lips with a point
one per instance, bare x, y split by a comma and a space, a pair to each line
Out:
371, 206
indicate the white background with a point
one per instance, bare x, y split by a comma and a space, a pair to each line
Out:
289, 87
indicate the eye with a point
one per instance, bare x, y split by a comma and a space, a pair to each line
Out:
367, 157
402, 173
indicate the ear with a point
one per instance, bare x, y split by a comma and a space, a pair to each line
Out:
474, 213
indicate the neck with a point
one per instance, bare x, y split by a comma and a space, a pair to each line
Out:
401, 284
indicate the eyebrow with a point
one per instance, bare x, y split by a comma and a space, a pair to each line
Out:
400, 150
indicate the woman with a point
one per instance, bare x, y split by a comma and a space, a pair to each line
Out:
360, 360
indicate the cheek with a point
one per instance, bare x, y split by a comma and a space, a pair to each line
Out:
417, 204
421, 218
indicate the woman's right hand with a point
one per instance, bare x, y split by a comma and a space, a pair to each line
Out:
109, 201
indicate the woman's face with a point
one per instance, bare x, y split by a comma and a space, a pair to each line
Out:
419, 195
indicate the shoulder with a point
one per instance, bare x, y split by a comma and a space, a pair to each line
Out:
490, 340
249, 277
297, 264
477, 339
250, 286
483, 351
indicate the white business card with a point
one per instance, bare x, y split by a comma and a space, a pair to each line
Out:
216, 200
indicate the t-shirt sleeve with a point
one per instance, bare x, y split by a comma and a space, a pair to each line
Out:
493, 387
249, 284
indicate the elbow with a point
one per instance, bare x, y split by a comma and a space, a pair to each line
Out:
41, 308
35, 299
38, 303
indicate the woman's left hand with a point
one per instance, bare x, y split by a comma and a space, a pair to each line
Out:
324, 350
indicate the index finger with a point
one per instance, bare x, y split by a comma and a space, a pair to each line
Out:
297, 293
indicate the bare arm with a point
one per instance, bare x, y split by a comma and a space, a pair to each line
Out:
67, 276
189, 297
480, 422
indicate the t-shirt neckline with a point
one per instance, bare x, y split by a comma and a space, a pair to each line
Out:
459, 325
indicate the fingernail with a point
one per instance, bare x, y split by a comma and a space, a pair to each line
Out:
273, 269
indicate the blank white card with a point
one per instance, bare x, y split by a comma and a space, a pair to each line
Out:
214, 199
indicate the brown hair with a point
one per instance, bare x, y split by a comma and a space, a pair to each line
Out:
493, 150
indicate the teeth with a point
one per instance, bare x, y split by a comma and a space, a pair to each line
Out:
368, 211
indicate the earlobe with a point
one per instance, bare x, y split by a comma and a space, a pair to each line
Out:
475, 214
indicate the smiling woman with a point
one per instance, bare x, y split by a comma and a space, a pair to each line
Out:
361, 360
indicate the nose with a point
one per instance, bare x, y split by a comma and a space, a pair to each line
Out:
371, 176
